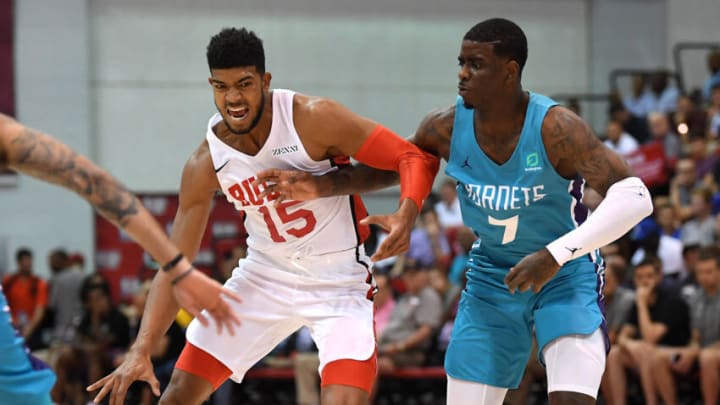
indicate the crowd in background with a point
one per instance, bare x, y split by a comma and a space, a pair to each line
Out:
661, 297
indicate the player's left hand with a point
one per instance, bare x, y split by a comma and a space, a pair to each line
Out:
198, 291
532, 272
398, 225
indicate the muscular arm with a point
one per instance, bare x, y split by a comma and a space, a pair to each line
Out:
197, 188
432, 136
36, 154
575, 151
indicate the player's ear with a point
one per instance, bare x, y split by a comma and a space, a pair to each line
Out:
512, 70
267, 78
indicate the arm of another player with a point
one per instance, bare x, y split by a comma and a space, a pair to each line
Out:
575, 150
197, 189
331, 130
367, 144
432, 137
39, 155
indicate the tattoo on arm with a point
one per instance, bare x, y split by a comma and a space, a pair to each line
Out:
45, 158
360, 178
578, 150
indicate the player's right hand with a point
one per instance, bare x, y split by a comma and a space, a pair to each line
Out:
197, 292
289, 185
136, 367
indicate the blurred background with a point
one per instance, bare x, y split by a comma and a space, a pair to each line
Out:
125, 82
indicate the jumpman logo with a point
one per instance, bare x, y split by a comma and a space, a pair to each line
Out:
466, 164
572, 250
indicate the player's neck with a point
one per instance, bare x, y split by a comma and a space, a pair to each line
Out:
504, 116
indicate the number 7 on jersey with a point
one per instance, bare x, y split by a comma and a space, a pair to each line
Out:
510, 225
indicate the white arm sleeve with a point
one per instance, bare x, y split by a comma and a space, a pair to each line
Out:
626, 203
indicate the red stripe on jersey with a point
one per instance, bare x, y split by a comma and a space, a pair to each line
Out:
340, 161
359, 212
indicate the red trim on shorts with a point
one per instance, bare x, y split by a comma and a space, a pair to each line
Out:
353, 373
200, 363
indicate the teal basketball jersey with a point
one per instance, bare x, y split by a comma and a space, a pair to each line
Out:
517, 207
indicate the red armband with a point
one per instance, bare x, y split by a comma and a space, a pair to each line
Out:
385, 150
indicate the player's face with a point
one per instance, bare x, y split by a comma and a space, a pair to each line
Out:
239, 96
482, 76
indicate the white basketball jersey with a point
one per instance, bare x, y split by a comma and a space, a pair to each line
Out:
316, 227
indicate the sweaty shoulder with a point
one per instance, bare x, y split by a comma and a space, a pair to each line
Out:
433, 134
328, 128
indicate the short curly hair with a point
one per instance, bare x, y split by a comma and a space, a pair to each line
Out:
233, 47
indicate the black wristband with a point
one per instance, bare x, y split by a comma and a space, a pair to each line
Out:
172, 263
181, 276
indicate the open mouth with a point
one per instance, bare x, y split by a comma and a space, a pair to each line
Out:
238, 114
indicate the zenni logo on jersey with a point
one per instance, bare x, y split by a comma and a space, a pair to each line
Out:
532, 162
284, 150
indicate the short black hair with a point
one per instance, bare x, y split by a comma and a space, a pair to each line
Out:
91, 283
23, 253
651, 260
234, 47
60, 253
508, 38
709, 253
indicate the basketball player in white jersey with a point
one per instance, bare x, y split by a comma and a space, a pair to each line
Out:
305, 264
24, 379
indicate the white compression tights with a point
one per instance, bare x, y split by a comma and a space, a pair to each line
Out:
575, 363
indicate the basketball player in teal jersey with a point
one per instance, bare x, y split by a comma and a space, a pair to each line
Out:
521, 162
23, 378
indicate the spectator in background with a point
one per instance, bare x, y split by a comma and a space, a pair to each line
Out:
65, 301
27, 296
384, 303
639, 102
661, 132
700, 228
428, 244
681, 188
448, 208
660, 318
713, 80
619, 140
688, 119
663, 96
417, 315
102, 336
689, 286
618, 299
634, 125
705, 337
713, 112
704, 158
669, 245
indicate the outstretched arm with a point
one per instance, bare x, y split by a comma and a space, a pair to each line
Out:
34, 153
432, 137
297, 185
